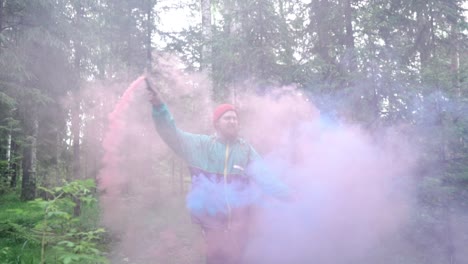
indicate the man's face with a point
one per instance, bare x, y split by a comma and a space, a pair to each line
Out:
228, 125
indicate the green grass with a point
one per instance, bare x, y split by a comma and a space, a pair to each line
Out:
17, 243
17, 211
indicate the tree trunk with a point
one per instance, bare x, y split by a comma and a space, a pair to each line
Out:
207, 36
227, 17
422, 39
349, 37
149, 34
6, 176
322, 9
8, 150
76, 163
76, 108
14, 164
28, 191
75, 127
129, 51
320, 12
207, 49
75, 117
348, 16
230, 29
55, 171
455, 59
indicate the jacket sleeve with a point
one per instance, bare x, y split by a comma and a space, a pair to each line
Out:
182, 143
267, 179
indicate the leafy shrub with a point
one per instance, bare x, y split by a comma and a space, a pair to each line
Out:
47, 230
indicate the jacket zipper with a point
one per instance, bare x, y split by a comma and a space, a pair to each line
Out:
226, 159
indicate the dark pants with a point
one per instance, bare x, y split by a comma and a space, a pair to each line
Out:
225, 238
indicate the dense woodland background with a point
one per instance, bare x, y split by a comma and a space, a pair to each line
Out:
378, 63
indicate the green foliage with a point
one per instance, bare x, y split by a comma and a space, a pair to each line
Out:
6, 103
19, 244
60, 229
80, 247
4, 172
49, 230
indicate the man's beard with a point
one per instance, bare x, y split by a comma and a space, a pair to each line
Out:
231, 132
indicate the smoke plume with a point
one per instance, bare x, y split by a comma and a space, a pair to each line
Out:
351, 190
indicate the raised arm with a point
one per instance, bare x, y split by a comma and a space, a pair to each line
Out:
182, 143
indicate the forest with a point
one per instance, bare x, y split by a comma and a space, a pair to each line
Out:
68, 132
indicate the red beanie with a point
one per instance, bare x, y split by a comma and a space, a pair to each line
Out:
221, 109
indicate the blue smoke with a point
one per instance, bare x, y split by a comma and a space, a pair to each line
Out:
212, 197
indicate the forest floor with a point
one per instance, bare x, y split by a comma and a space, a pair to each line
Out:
162, 233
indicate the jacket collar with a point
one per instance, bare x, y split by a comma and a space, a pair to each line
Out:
224, 141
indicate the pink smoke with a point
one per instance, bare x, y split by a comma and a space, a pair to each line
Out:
347, 182
134, 182
110, 177
352, 187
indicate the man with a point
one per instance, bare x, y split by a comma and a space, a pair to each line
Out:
223, 168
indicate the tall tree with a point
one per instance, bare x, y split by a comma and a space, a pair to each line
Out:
76, 100
149, 32
207, 36
350, 52
29, 181
7, 106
